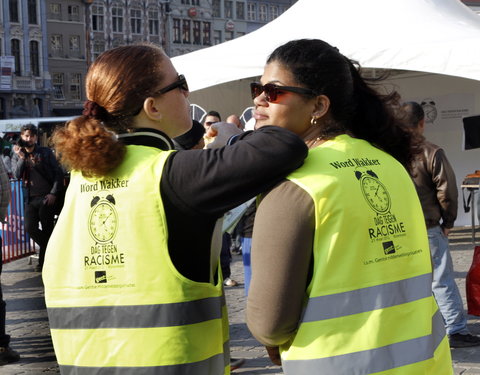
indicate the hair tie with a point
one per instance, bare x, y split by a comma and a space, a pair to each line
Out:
92, 109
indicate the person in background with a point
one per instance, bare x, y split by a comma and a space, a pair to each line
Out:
140, 290
43, 179
7, 354
7, 160
245, 231
211, 118
341, 270
234, 119
436, 186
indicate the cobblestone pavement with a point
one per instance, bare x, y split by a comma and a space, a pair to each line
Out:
28, 325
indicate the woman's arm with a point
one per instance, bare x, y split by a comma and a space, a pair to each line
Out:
211, 182
281, 256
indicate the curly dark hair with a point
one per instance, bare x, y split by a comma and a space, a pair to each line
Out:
118, 87
355, 104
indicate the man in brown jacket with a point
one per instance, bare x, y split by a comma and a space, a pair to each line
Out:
437, 189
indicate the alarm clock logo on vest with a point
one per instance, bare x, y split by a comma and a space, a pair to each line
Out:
103, 219
374, 192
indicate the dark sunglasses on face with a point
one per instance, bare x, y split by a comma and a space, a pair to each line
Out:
181, 82
272, 91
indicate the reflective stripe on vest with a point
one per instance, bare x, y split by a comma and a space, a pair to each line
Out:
368, 299
213, 365
164, 315
370, 307
136, 315
374, 360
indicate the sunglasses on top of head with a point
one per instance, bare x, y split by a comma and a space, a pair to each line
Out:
272, 91
181, 82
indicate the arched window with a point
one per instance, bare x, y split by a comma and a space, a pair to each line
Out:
34, 58
16, 56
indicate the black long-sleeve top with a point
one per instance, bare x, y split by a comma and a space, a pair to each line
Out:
199, 186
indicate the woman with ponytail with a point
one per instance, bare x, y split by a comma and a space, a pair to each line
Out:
132, 280
341, 271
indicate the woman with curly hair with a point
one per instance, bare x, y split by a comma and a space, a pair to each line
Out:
341, 271
132, 283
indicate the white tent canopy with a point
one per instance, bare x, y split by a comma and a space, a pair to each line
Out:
436, 36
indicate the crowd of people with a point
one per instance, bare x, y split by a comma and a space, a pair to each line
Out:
343, 234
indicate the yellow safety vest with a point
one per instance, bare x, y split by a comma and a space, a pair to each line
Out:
369, 307
115, 301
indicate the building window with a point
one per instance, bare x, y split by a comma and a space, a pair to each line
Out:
16, 56
262, 12
2, 108
228, 35
217, 36
216, 8
206, 33
14, 16
32, 12
240, 10
117, 20
186, 2
228, 9
55, 11
176, 31
74, 45
186, 37
197, 32
117, 42
98, 48
74, 13
153, 24
57, 82
34, 59
75, 84
252, 11
136, 21
273, 12
97, 18
56, 45
195, 2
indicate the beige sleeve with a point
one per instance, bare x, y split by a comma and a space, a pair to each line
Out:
281, 253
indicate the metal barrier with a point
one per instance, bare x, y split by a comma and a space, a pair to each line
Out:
15, 240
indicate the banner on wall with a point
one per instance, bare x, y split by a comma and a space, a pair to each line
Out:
7, 67
445, 111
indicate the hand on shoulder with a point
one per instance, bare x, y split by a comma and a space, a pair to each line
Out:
219, 133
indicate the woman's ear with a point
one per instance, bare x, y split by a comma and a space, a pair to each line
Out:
151, 109
322, 106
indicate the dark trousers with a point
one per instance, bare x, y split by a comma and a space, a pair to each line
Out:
225, 255
36, 212
4, 338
